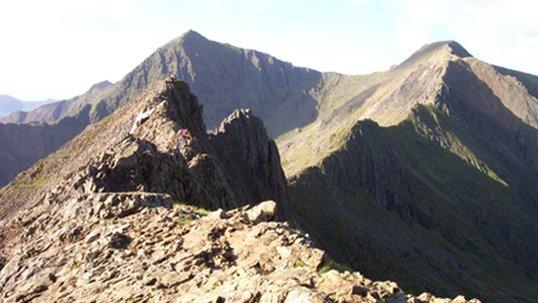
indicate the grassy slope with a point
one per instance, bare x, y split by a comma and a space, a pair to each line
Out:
452, 211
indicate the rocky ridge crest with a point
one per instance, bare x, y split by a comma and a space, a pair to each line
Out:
137, 149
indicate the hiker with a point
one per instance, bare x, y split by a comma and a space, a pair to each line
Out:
183, 137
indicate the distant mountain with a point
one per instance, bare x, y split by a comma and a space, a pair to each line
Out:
223, 76
23, 144
9, 105
55, 111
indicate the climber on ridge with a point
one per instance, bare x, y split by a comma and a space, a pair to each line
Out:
183, 137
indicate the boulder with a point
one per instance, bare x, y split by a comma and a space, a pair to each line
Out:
264, 211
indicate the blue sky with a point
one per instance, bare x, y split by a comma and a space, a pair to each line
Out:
58, 48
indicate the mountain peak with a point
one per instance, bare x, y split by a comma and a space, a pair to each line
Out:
438, 48
189, 37
192, 35
453, 47
449, 46
100, 85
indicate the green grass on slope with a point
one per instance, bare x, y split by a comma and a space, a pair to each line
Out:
470, 191
432, 123
355, 231
417, 203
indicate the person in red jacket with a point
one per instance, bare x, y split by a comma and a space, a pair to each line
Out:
184, 136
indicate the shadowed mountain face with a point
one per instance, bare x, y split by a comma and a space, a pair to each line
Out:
441, 194
425, 173
24, 144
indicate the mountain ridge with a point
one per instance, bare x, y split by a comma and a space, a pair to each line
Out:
128, 220
200, 154
390, 166
460, 112
177, 58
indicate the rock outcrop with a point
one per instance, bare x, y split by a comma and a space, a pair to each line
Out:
139, 149
250, 158
141, 247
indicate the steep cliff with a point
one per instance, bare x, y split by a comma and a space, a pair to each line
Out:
138, 148
241, 141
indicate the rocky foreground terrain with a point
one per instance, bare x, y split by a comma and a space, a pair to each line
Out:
141, 247
128, 222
